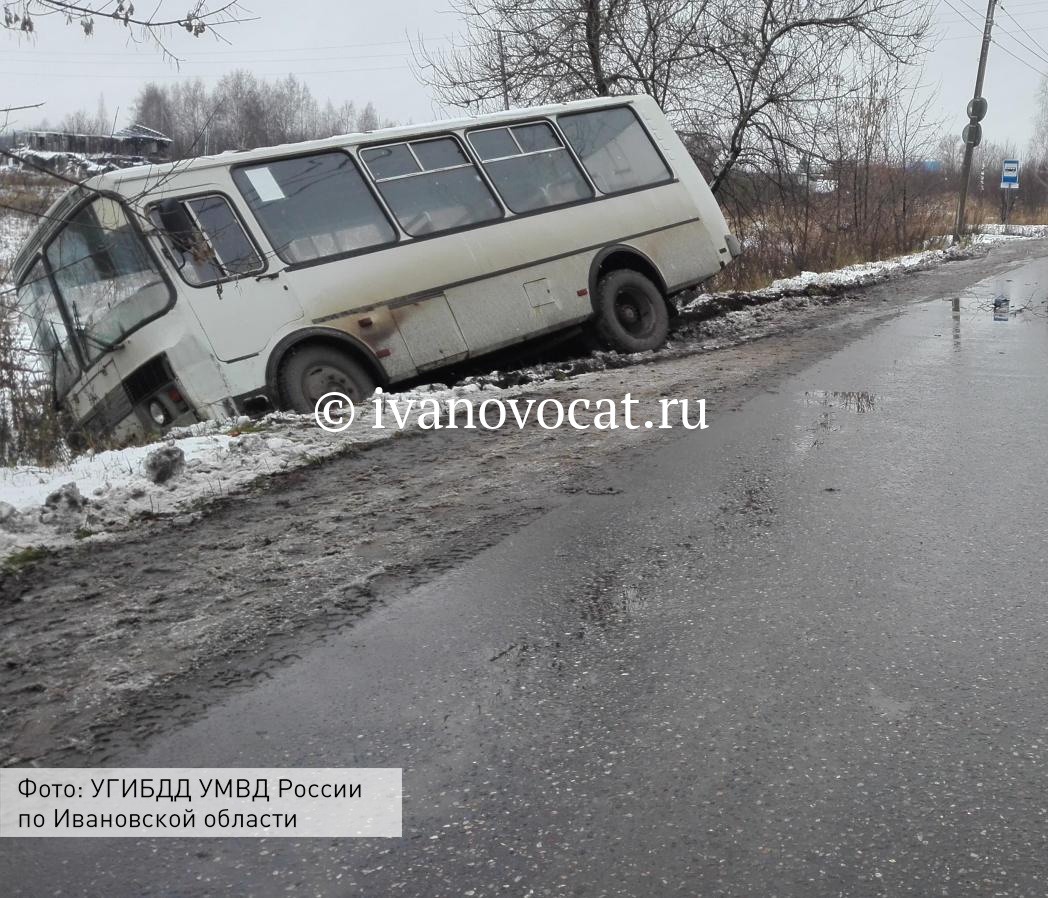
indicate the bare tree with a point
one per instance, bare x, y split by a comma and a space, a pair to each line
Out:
910, 138
532, 51
744, 79
1035, 166
22, 16
244, 112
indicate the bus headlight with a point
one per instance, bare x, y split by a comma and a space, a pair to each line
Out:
158, 413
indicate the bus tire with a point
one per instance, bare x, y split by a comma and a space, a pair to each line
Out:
310, 371
631, 312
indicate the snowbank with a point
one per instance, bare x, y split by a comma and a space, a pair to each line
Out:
98, 494
998, 230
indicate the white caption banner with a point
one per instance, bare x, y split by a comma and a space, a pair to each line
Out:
269, 802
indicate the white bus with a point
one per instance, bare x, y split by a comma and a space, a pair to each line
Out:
163, 295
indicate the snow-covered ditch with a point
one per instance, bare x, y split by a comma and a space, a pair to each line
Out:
98, 495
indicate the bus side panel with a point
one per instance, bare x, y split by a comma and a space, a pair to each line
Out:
431, 333
684, 255
508, 307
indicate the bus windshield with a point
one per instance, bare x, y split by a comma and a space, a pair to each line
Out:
105, 275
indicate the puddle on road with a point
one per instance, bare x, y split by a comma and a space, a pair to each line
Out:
1012, 312
830, 403
1020, 298
999, 307
858, 401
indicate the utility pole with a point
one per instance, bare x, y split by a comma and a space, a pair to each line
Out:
502, 71
976, 110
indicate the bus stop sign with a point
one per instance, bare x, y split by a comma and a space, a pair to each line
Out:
1010, 175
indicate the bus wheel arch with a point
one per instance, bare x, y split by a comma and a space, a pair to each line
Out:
630, 303
317, 359
612, 258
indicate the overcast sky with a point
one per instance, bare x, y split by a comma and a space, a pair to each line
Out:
361, 52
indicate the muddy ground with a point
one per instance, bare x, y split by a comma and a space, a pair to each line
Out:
106, 643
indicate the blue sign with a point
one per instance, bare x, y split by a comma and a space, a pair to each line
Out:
1010, 174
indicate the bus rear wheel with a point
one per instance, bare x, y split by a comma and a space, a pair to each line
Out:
310, 372
631, 312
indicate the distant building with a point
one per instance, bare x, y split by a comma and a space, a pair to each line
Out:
90, 154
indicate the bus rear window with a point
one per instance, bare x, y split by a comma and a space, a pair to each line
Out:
435, 187
312, 207
206, 239
530, 167
614, 147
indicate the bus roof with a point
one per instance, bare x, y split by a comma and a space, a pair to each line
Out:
119, 179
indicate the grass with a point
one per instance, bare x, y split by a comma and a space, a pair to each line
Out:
768, 254
23, 558
28, 192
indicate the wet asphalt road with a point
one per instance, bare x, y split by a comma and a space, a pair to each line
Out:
801, 653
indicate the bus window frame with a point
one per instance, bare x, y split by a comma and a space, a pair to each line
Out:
595, 193
241, 220
132, 216
322, 260
471, 160
672, 179
81, 363
598, 194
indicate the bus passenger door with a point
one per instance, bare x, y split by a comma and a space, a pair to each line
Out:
239, 300
241, 318
430, 331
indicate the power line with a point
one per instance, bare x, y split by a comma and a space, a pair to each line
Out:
996, 43
965, 36
1014, 37
1027, 4
1037, 13
1044, 53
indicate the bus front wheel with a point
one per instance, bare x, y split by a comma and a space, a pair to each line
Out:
631, 312
311, 371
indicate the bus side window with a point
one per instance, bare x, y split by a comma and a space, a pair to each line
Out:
314, 207
206, 238
530, 167
430, 185
614, 148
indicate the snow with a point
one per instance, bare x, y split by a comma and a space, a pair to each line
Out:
14, 229
866, 273
988, 232
221, 458
112, 491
